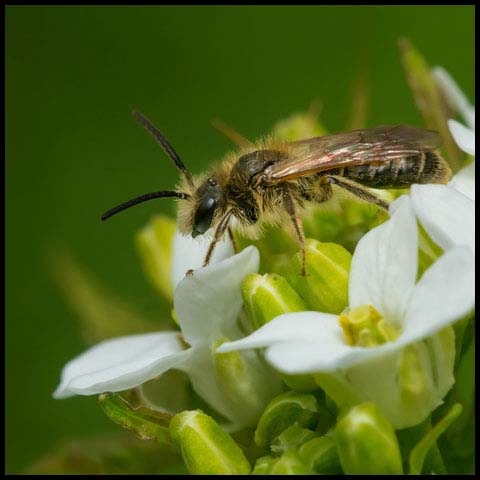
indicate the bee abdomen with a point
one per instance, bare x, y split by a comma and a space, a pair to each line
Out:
426, 167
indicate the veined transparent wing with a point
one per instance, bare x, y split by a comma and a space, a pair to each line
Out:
360, 147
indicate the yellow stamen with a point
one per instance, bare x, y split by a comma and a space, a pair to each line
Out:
365, 327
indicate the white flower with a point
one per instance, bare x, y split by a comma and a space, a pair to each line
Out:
447, 212
383, 274
463, 136
207, 305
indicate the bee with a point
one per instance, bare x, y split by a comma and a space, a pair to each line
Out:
270, 182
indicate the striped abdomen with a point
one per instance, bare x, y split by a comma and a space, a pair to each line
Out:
426, 167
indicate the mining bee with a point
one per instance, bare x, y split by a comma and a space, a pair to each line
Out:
269, 182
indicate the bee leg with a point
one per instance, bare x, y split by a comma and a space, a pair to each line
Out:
220, 230
232, 238
358, 190
297, 224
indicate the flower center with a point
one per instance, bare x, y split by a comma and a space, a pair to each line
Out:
364, 327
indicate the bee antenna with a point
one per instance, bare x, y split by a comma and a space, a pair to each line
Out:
141, 199
157, 135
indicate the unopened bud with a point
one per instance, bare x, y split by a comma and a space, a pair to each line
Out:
282, 412
206, 448
320, 455
247, 382
291, 438
299, 126
366, 443
268, 296
325, 287
154, 243
289, 464
263, 465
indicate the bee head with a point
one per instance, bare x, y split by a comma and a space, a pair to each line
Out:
209, 198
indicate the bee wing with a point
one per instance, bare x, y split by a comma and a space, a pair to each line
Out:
360, 147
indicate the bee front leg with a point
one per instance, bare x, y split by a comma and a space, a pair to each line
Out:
220, 230
232, 238
297, 224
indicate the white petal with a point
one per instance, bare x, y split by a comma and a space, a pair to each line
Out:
384, 265
208, 302
189, 253
306, 342
447, 215
444, 294
201, 369
454, 95
299, 342
120, 363
290, 326
464, 181
463, 136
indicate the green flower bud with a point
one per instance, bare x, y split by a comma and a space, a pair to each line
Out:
320, 455
242, 376
154, 243
289, 464
323, 224
300, 383
291, 438
268, 296
206, 448
275, 247
406, 385
283, 411
366, 443
325, 288
263, 465
299, 126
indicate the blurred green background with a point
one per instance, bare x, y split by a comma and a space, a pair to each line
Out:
73, 75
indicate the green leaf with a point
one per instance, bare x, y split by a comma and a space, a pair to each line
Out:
283, 411
419, 453
144, 422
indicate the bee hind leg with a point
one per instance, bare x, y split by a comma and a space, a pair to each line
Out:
297, 225
357, 190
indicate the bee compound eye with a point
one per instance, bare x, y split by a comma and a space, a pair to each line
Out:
203, 216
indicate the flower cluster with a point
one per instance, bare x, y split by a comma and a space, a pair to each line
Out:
351, 369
